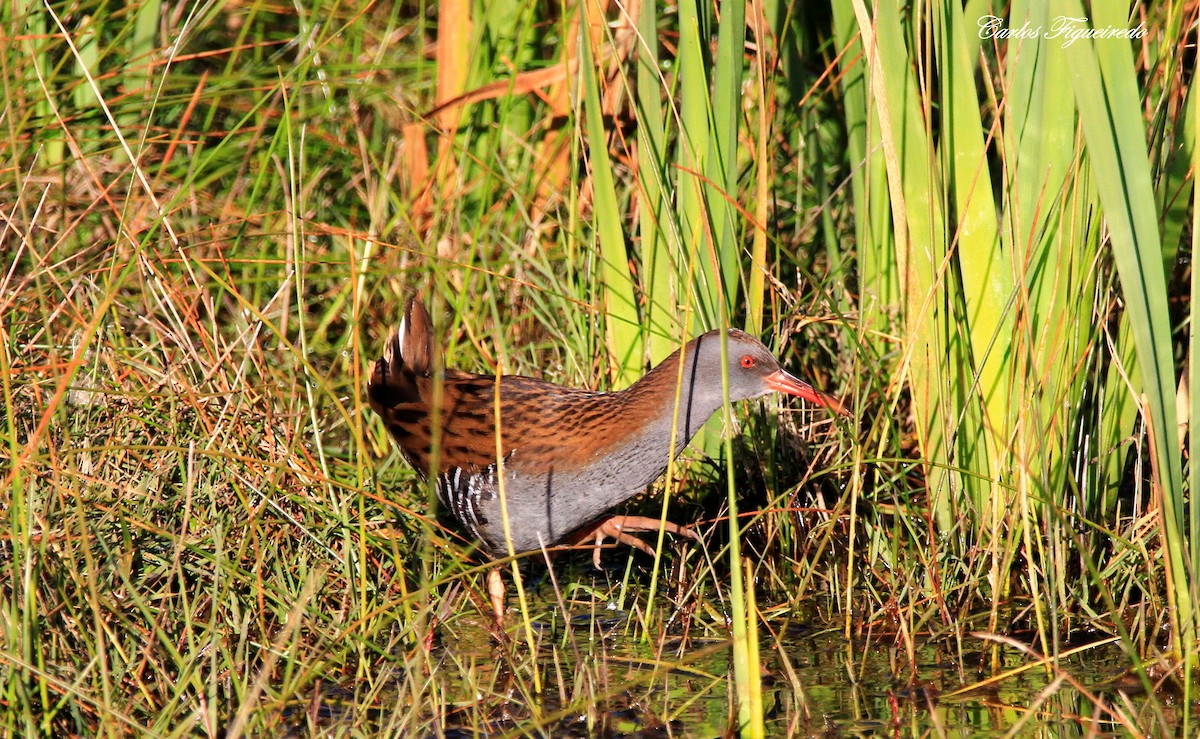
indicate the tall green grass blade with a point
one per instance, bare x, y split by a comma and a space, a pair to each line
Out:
982, 268
1039, 134
657, 225
87, 64
620, 308
1192, 135
27, 63
873, 237
721, 189
696, 273
1045, 247
134, 115
141, 45
757, 277
1106, 91
1174, 186
920, 243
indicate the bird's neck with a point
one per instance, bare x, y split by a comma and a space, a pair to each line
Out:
678, 403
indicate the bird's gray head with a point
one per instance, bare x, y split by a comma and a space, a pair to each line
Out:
753, 371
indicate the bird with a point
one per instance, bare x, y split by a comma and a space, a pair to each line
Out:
565, 456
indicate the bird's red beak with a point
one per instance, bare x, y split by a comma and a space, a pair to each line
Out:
782, 382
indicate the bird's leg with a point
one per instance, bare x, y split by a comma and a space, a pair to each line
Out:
495, 588
618, 527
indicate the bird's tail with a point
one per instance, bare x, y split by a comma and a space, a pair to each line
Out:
412, 344
409, 354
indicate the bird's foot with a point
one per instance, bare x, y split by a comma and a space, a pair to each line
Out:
618, 528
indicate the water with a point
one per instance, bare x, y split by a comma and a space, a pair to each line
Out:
598, 676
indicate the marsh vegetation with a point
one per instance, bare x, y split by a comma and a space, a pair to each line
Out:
211, 215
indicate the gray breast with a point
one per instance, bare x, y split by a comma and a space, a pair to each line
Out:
543, 509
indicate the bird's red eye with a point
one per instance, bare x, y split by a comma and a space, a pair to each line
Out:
747, 361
